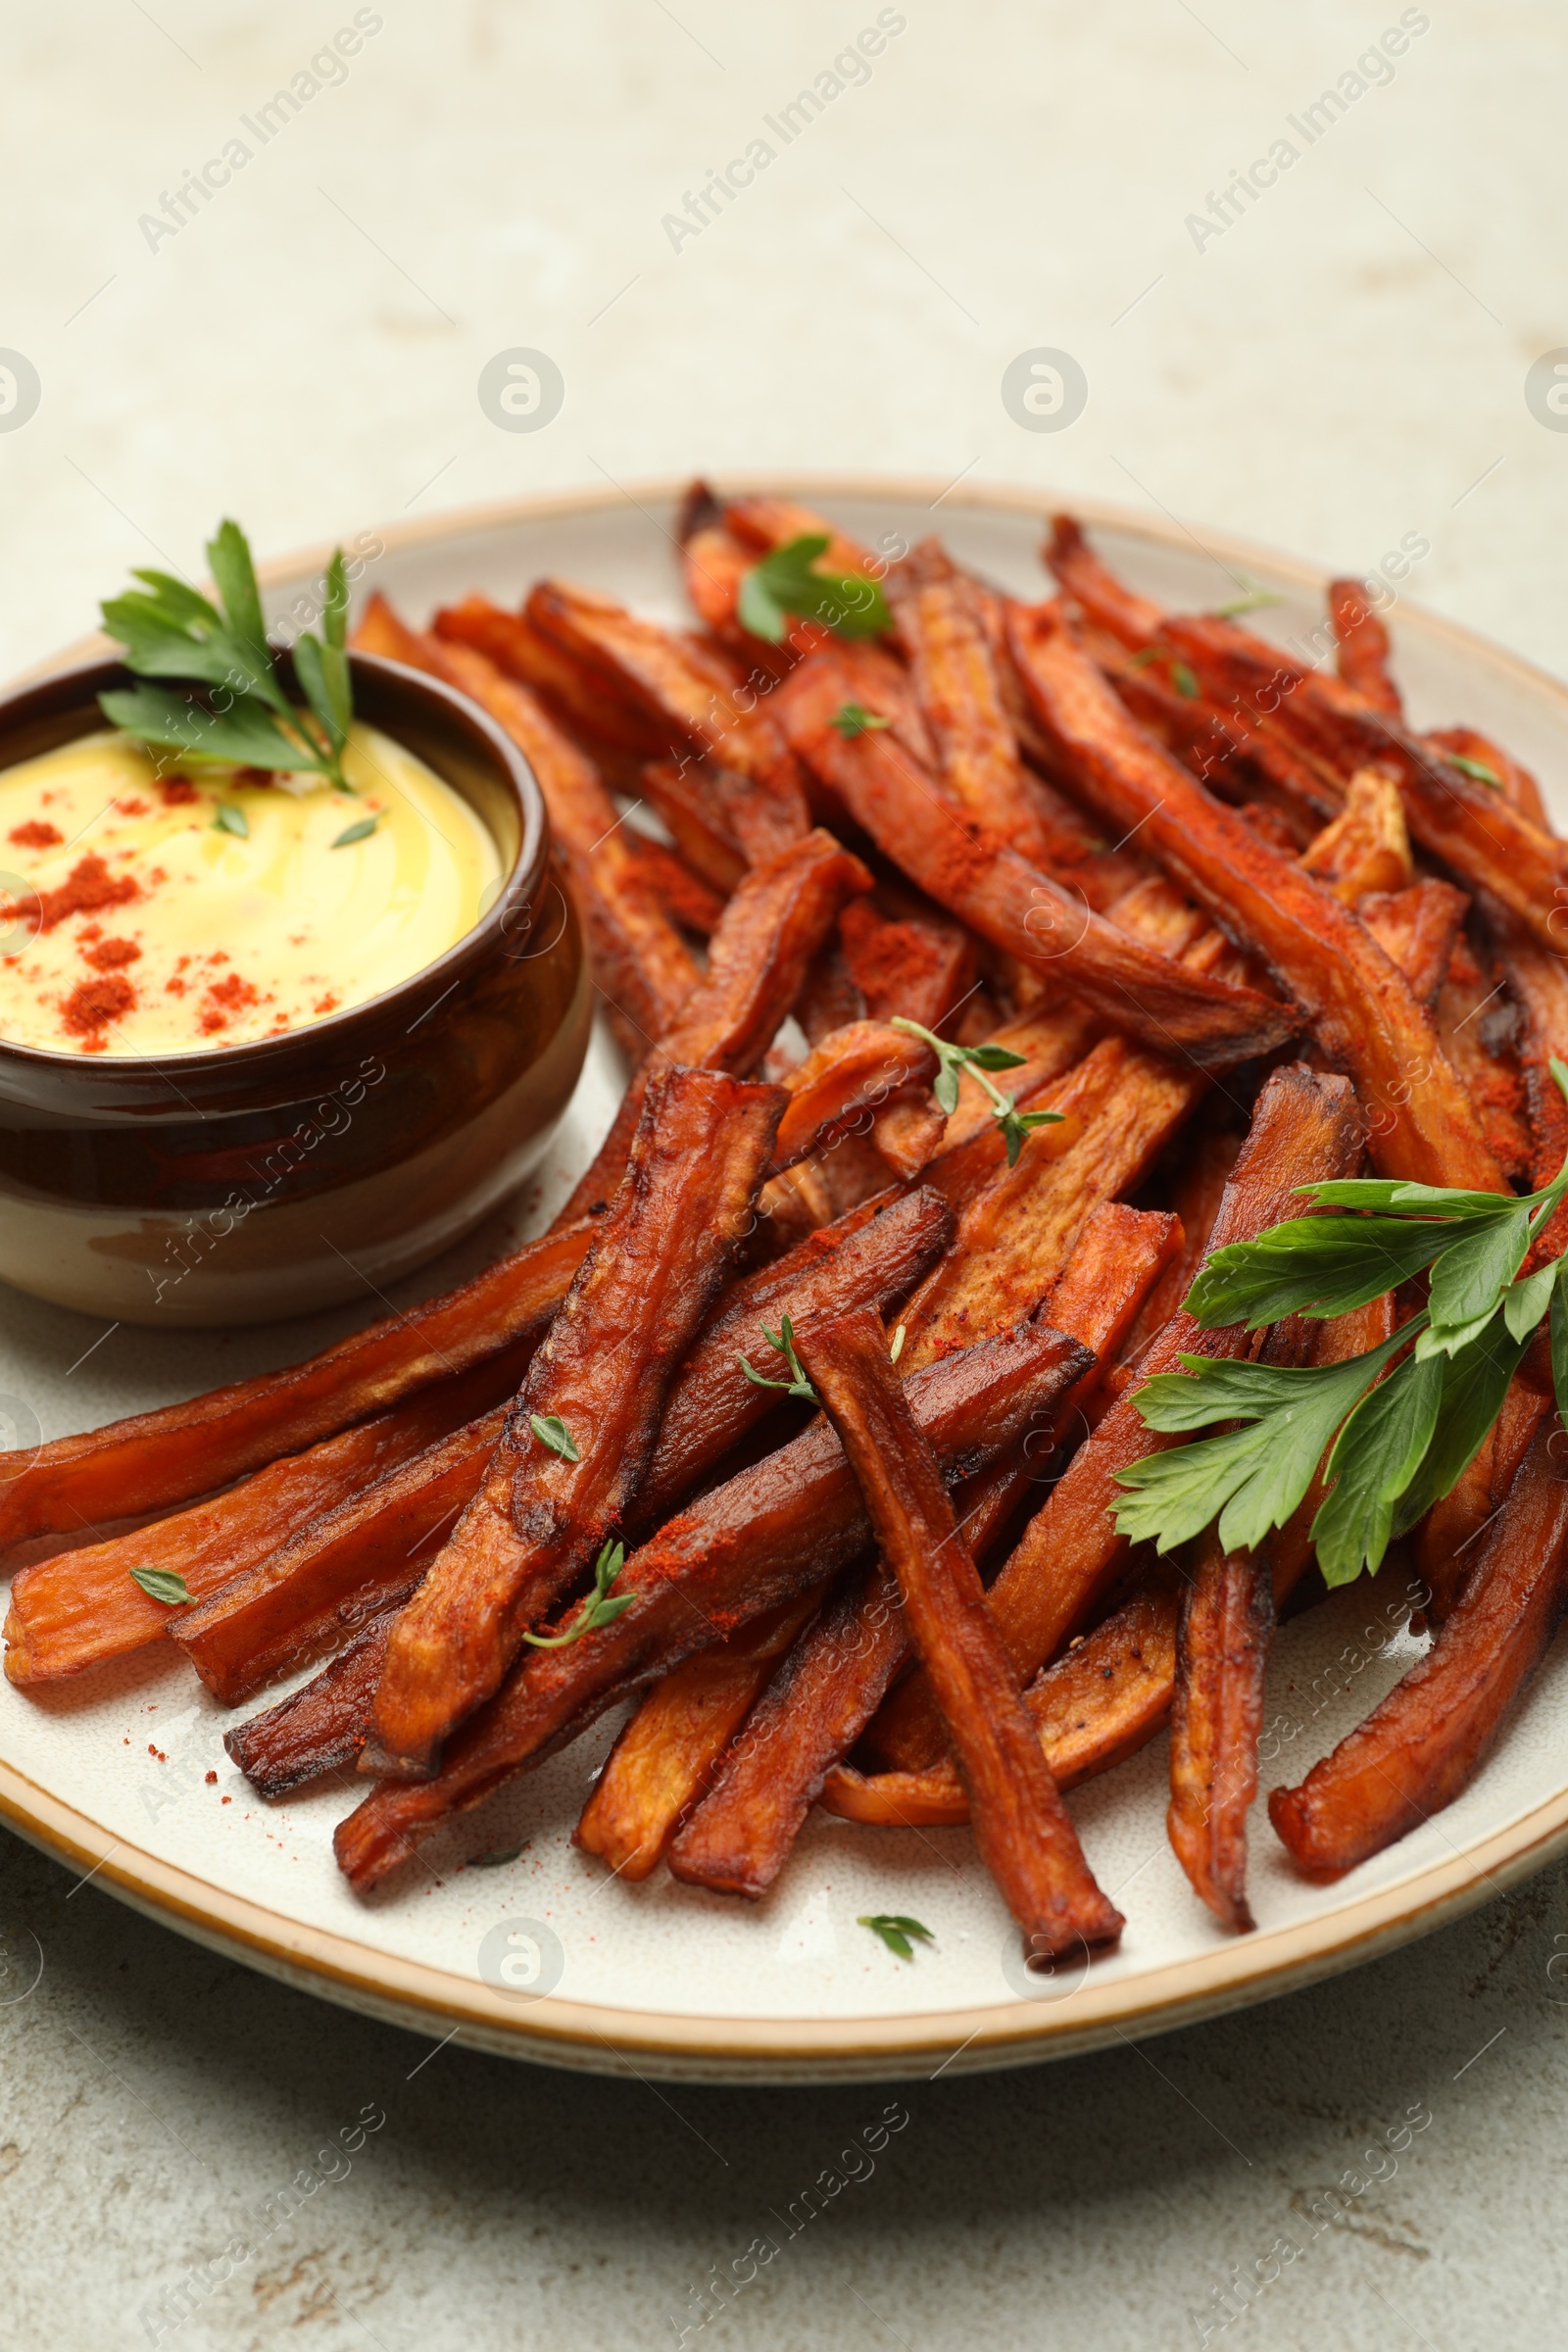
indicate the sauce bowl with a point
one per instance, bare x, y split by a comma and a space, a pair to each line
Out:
255, 1182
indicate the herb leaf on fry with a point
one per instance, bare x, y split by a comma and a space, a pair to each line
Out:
787, 582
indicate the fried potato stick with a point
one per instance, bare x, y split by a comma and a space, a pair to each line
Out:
81, 1607
1305, 1128
1026, 1835
582, 1429
1095, 1707
770, 930
296, 1600
1222, 1641
741, 1835
1011, 902
769, 1534
317, 1730
1362, 1008
1362, 647
1423, 1744
154, 1461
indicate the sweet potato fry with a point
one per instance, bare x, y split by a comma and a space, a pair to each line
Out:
741, 1833
949, 653
152, 1461
907, 958
1095, 1707
770, 930
1417, 929
1367, 846
1422, 1746
81, 1607
687, 688
1208, 1159
1305, 1128
1018, 909
768, 1536
331, 1574
838, 1672
669, 1752
318, 1729
599, 1382
712, 1404
705, 820
664, 878
1362, 643
851, 1072
294, 1602
588, 698
1120, 1109
1476, 1022
1514, 781
1021, 1827
642, 968
1488, 840
1363, 1010
1227, 1619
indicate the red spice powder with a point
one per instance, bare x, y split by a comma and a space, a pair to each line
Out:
110, 953
87, 887
175, 792
131, 807
326, 1005
93, 1003
224, 998
35, 835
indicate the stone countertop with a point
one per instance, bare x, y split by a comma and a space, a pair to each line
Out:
1334, 357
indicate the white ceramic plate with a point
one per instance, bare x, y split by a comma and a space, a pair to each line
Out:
546, 1956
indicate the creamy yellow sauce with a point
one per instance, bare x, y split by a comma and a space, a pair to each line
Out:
181, 912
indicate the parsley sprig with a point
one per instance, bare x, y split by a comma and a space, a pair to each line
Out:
782, 1343
787, 581
1016, 1124
600, 1606
170, 630
895, 1929
1395, 1445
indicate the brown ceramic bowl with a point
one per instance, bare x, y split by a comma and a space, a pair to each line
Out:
274, 1178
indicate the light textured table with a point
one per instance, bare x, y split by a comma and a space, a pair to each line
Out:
1344, 364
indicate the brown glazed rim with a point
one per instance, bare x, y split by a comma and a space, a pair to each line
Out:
606, 2038
291, 1054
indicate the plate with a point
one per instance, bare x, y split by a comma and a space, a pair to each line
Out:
544, 1956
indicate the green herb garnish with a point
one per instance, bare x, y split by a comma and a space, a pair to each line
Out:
852, 718
162, 1583
169, 630
1016, 1124
1252, 600
230, 819
552, 1431
895, 1930
600, 1607
1473, 768
1403, 1443
787, 582
495, 1859
782, 1342
1182, 678
360, 832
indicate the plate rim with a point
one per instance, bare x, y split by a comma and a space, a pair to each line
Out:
608, 2038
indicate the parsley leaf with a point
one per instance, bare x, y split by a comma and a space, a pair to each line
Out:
1473, 768
170, 630
852, 718
785, 581
360, 832
1394, 1445
895, 1930
600, 1607
230, 820
162, 1583
552, 1431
